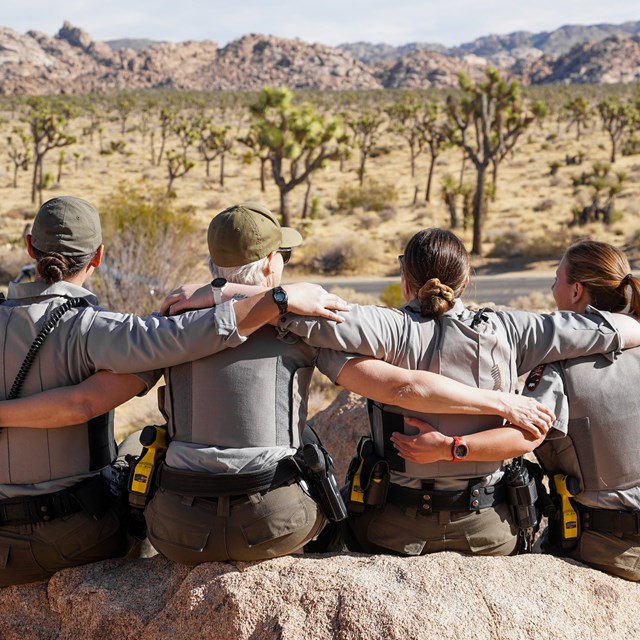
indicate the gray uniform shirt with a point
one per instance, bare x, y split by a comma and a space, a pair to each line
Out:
488, 351
86, 339
241, 410
596, 436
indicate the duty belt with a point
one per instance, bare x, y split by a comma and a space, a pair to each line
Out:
610, 520
91, 496
473, 498
213, 485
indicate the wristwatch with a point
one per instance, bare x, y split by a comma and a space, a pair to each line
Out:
217, 285
281, 299
459, 449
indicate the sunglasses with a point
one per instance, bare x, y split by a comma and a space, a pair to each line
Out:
286, 255
401, 260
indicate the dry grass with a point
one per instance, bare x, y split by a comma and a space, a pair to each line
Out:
531, 205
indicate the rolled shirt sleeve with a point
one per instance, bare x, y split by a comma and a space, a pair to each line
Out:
545, 384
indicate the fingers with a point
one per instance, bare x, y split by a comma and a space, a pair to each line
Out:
420, 425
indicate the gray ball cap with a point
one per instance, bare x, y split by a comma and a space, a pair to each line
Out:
67, 225
247, 232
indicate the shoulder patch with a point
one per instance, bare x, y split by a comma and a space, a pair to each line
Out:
534, 377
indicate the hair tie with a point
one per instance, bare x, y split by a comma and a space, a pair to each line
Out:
627, 278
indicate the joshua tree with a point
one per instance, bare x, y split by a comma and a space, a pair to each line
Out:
167, 120
256, 150
433, 134
405, 119
299, 140
215, 142
487, 119
46, 124
178, 165
600, 181
19, 152
367, 129
578, 112
617, 119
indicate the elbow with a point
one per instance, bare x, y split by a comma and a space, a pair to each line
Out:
82, 410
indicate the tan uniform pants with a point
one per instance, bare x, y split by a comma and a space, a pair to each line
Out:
194, 530
36, 551
618, 554
401, 530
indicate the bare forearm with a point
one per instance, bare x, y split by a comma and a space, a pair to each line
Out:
429, 392
71, 405
429, 445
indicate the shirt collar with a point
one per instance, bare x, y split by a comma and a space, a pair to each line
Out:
457, 309
40, 289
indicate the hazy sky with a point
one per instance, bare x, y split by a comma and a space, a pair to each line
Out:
332, 22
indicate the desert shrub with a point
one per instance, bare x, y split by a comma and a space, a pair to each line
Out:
349, 254
149, 249
352, 296
553, 167
371, 196
392, 296
631, 146
367, 219
544, 205
514, 243
537, 302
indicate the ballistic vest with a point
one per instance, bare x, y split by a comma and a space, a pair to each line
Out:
254, 395
474, 350
32, 456
602, 446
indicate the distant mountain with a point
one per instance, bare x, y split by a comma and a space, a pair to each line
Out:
137, 44
373, 53
499, 49
72, 62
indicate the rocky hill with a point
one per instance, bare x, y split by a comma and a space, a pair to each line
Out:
72, 62
499, 49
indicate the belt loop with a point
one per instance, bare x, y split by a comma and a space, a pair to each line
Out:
223, 506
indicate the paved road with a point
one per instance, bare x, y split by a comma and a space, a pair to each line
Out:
499, 289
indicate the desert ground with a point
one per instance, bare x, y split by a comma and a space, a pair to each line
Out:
526, 228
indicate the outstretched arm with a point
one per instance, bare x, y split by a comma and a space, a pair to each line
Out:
304, 299
429, 392
75, 404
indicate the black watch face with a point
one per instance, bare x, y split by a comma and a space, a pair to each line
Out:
460, 451
218, 283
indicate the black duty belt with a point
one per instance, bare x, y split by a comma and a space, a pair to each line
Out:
610, 520
473, 498
214, 485
90, 495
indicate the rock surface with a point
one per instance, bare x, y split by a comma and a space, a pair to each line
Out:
346, 596
72, 62
326, 597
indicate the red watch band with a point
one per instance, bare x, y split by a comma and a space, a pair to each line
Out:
459, 444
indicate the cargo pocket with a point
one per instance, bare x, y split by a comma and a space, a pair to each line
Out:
491, 532
392, 529
75, 536
281, 512
184, 526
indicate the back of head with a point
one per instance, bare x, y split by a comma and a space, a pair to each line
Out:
242, 236
605, 273
436, 269
65, 236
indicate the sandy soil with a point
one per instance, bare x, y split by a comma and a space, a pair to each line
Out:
532, 206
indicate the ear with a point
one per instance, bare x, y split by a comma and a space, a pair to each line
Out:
27, 240
578, 293
97, 259
268, 268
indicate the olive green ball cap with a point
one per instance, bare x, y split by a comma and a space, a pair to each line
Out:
247, 232
67, 225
